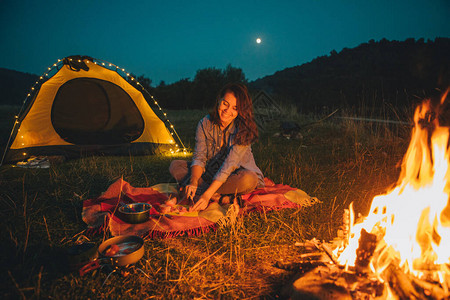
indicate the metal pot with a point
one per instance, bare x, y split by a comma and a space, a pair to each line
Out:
133, 244
134, 213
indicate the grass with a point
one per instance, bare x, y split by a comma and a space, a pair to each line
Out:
337, 161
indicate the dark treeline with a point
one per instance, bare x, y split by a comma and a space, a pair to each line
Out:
393, 72
195, 94
398, 73
14, 86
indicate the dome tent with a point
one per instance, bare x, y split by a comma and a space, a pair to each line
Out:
88, 107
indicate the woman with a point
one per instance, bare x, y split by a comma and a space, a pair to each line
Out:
223, 162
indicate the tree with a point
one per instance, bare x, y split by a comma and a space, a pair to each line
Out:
145, 82
199, 93
232, 74
207, 83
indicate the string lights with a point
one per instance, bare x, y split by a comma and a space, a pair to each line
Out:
53, 69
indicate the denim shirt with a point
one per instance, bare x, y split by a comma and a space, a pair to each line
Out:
208, 139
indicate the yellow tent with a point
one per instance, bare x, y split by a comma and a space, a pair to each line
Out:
87, 107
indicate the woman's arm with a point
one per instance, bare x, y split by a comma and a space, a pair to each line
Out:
198, 161
200, 152
191, 188
234, 159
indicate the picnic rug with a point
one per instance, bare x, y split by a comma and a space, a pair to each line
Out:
100, 213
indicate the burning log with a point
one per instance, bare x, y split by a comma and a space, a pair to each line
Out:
400, 283
319, 283
301, 266
407, 286
365, 251
332, 282
430, 290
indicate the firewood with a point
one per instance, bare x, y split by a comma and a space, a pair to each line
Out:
301, 266
430, 290
346, 226
366, 248
400, 283
319, 283
330, 254
366, 284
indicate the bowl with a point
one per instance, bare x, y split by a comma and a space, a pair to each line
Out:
135, 213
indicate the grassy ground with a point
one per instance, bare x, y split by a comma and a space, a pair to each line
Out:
40, 209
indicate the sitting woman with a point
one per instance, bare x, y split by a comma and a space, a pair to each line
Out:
223, 162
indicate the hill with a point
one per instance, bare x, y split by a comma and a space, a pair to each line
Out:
393, 72
14, 85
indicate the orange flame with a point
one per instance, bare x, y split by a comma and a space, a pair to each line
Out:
412, 221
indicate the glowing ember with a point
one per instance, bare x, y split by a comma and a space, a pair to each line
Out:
411, 222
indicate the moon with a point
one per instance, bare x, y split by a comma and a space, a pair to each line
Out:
258, 40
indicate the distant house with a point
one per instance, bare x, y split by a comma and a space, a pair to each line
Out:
265, 108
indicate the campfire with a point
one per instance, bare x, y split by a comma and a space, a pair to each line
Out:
401, 249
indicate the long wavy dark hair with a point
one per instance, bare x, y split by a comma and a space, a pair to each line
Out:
247, 131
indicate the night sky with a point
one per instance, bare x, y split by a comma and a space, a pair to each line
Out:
171, 40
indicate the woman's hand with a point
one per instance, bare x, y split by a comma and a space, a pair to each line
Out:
190, 191
201, 204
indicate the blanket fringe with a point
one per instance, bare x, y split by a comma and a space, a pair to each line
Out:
157, 234
95, 231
